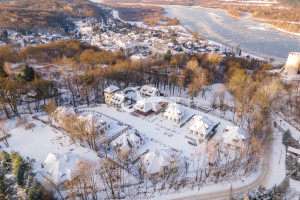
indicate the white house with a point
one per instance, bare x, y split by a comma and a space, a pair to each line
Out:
61, 114
148, 91
118, 99
128, 141
174, 113
58, 168
234, 137
146, 107
158, 163
93, 123
201, 127
109, 92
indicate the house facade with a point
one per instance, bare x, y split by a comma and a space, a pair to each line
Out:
128, 141
201, 127
148, 91
145, 107
61, 114
234, 138
174, 113
159, 163
109, 92
93, 123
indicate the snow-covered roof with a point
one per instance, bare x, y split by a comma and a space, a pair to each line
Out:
234, 133
117, 98
175, 111
154, 161
127, 140
58, 168
148, 90
91, 122
111, 89
62, 112
137, 57
144, 105
293, 150
202, 124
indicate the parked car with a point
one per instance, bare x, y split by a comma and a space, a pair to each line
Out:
192, 143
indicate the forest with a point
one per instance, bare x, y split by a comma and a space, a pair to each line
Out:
151, 15
46, 15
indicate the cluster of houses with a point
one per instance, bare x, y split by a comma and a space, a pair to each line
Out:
144, 101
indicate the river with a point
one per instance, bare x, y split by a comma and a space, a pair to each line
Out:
251, 36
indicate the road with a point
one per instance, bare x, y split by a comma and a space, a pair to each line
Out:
225, 194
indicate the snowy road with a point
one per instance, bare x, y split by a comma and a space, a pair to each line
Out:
225, 194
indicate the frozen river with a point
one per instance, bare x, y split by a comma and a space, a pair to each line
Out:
251, 36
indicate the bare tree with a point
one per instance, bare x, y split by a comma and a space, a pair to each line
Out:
4, 132
84, 183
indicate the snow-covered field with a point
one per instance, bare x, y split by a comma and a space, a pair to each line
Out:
38, 142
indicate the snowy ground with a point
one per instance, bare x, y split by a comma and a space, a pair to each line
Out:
41, 140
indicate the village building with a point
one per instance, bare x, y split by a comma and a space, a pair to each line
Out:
109, 92
128, 141
234, 137
174, 113
292, 66
148, 91
59, 168
145, 107
294, 151
118, 100
93, 124
159, 163
201, 127
61, 114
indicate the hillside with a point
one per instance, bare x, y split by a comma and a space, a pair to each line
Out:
49, 14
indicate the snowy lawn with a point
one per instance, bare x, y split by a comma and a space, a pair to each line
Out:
41, 140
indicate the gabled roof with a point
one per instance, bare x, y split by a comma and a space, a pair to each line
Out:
148, 90
234, 133
153, 161
175, 111
127, 140
117, 98
62, 112
202, 124
111, 89
91, 121
144, 105
58, 168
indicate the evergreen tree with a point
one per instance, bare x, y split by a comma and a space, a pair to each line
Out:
34, 193
28, 183
21, 174
16, 161
5, 187
5, 161
3, 73
28, 74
